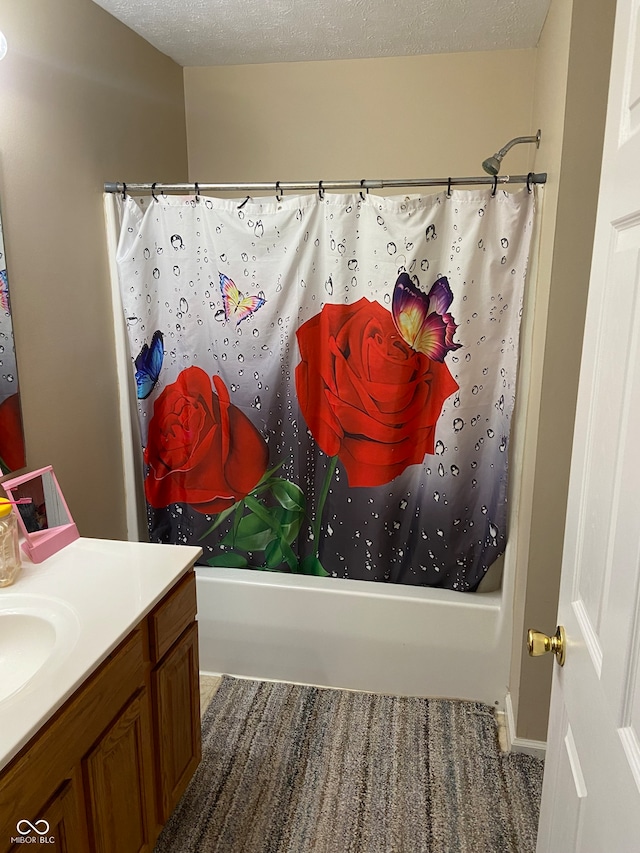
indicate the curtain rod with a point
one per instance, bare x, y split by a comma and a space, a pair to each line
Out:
280, 187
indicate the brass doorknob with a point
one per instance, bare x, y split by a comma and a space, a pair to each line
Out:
539, 644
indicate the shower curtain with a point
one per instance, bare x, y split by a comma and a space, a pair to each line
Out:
325, 384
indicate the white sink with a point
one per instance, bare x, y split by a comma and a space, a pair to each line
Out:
36, 632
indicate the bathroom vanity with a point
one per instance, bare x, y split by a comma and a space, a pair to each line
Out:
100, 724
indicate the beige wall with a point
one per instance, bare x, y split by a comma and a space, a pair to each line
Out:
83, 100
552, 67
402, 117
572, 74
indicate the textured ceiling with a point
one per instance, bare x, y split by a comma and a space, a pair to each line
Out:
237, 32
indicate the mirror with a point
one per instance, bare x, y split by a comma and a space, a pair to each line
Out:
12, 455
44, 517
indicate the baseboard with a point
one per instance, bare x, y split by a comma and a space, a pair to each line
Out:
537, 748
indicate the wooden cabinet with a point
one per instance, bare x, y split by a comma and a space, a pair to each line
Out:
63, 817
176, 693
119, 783
106, 771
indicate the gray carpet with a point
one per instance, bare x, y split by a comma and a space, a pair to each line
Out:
290, 769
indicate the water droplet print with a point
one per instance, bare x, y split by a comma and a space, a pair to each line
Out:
328, 286
392, 248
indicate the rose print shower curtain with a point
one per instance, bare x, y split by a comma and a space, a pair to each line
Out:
325, 385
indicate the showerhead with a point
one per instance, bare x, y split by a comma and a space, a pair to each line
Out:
492, 164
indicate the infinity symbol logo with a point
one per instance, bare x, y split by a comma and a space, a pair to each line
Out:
32, 827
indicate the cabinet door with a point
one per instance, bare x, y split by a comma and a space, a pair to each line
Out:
176, 695
58, 824
118, 782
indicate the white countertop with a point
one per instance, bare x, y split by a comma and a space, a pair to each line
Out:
97, 591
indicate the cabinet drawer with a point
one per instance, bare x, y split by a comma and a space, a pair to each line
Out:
172, 616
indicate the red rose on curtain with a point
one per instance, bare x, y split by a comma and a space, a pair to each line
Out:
201, 450
366, 395
12, 455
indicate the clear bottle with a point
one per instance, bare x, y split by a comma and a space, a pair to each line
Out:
9, 545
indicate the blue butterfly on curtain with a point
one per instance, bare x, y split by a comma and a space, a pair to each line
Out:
148, 365
237, 306
4, 290
423, 319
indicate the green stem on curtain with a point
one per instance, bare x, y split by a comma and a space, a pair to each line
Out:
321, 502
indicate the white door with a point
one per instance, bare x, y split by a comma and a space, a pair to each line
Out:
591, 791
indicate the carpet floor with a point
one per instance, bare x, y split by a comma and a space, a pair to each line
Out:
293, 769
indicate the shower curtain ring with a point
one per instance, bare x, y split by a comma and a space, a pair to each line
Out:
449, 188
529, 176
153, 191
363, 187
279, 192
124, 190
495, 186
320, 191
197, 189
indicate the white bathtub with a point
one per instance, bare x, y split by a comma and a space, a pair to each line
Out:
354, 634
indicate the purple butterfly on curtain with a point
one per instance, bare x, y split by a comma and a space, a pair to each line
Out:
423, 319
